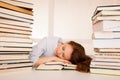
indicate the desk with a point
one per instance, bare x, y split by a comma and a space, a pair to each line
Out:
29, 74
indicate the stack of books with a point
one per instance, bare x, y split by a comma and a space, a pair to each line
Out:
16, 18
106, 40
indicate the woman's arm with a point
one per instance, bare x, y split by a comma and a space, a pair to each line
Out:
42, 60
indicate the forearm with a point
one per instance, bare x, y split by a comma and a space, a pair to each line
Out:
42, 60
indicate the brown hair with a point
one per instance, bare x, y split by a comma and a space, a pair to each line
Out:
79, 57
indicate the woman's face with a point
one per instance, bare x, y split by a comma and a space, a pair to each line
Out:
64, 51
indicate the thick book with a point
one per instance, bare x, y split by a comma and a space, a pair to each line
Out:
13, 56
15, 35
105, 34
14, 22
15, 27
14, 61
15, 8
14, 66
15, 44
16, 31
14, 49
106, 8
106, 13
19, 3
105, 71
13, 39
4, 15
56, 66
107, 25
106, 43
108, 50
15, 13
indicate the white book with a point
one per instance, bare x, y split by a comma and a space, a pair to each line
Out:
13, 56
15, 44
14, 61
10, 66
14, 49
105, 71
15, 23
108, 50
106, 13
98, 63
106, 43
15, 27
107, 25
12, 39
4, 15
17, 31
106, 34
13, 35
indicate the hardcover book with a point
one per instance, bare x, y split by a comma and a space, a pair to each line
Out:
56, 66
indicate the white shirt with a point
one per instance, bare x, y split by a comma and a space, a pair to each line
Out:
44, 47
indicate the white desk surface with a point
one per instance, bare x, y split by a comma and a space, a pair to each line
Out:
29, 74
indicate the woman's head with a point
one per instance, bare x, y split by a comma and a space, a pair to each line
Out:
79, 57
75, 53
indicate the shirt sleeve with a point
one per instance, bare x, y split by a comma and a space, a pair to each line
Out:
38, 50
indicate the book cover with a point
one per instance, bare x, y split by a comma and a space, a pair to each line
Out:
107, 25
106, 43
14, 35
106, 34
15, 27
14, 22
4, 15
106, 7
56, 66
19, 3
15, 8
105, 71
14, 49
17, 31
12, 39
15, 13
114, 51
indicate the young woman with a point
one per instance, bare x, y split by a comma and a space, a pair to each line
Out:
53, 49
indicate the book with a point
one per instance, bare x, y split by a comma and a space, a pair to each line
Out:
13, 56
15, 13
105, 34
12, 39
14, 22
4, 15
106, 8
14, 52
15, 8
56, 66
14, 66
107, 25
106, 43
14, 61
105, 71
15, 44
102, 59
14, 35
108, 50
15, 27
19, 3
12, 30
14, 49
104, 63
106, 13
107, 55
